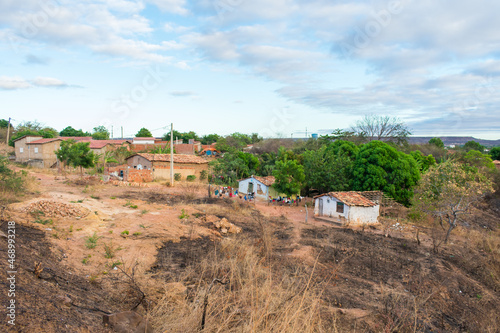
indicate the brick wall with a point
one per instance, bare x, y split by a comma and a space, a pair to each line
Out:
139, 176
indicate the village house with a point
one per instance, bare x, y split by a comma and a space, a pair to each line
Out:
159, 165
261, 186
350, 207
40, 152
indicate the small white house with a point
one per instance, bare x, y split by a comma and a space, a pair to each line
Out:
262, 186
351, 207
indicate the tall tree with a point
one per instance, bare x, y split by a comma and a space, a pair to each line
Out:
382, 128
436, 142
329, 168
100, 133
379, 166
32, 128
209, 139
76, 154
447, 192
70, 131
144, 133
289, 176
473, 145
495, 153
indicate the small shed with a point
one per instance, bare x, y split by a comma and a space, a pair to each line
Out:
351, 207
262, 186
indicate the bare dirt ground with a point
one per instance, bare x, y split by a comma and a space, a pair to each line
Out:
135, 241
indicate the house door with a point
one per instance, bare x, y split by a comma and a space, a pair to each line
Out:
321, 207
250, 188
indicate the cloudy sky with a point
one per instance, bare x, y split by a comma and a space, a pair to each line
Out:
275, 67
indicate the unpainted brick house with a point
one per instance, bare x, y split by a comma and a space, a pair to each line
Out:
159, 164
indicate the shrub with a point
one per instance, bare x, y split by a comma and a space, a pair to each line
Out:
91, 241
109, 251
190, 178
203, 174
177, 176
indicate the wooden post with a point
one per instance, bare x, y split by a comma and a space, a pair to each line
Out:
307, 213
172, 154
8, 132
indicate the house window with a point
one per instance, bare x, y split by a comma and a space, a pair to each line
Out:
36, 150
340, 207
21, 150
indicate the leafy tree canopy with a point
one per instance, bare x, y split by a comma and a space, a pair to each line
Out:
495, 153
100, 133
234, 166
77, 154
144, 133
423, 162
448, 190
289, 176
329, 168
209, 139
436, 142
236, 141
473, 145
378, 166
32, 128
70, 131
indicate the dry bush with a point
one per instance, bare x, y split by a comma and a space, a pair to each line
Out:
255, 299
191, 190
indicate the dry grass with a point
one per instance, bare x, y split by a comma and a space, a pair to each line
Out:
255, 299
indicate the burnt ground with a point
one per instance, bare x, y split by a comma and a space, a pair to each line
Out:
374, 283
40, 301
388, 279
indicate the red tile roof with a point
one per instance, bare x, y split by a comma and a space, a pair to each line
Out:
350, 198
98, 144
268, 181
62, 138
144, 139
178, 158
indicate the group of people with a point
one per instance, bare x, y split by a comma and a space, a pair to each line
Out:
283, 200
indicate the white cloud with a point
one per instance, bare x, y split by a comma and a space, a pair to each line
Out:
171, 6
49, 82
13, 83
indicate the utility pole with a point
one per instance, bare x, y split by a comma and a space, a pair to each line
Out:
122, 132
306, 132
8, 132
112, 132
172, 154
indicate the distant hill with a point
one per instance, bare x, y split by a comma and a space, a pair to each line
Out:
453, 140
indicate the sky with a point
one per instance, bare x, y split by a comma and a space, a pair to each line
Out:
280, 68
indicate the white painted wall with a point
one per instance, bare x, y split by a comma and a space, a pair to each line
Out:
360, 215
244, 184
352, 214
330, 207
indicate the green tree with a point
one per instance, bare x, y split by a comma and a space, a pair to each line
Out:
100, 133
475, 161
423, 162
32, 128
209, 139
144, 133
495, 153
235, 141
234, 166
436, 142
378, 166
289, 176
76, 154
329, 168
70, 131
4, 123
473, 145
447, 192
